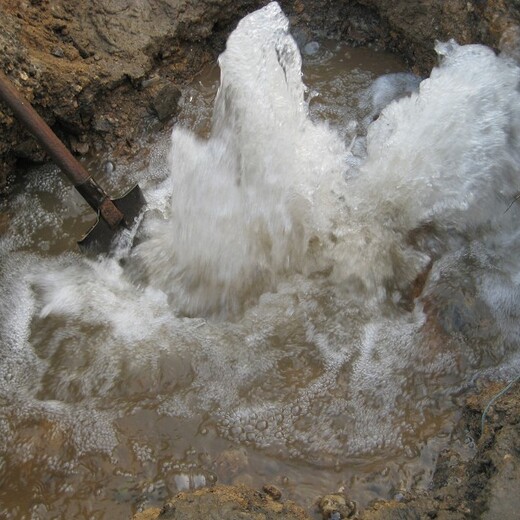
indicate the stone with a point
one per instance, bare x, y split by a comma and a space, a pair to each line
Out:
79, 147
336, 507
166, 103
58, 52
272, 491
102, 124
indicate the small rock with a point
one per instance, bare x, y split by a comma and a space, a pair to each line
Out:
145, 83
166, 102
102, 124
78, 146
336, 507
58, 52
272, 491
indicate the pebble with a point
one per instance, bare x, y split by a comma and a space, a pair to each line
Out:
336, 506
150, 81
166, 102
102, 125
272, 491
58, 52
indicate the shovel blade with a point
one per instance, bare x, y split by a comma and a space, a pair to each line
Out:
100, 236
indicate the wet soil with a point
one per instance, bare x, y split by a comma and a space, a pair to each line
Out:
478, 480
229, 502
96, 70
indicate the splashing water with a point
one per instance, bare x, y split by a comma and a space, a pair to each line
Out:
317, 299
249, 193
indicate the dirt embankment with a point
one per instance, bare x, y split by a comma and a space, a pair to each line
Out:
413, 26
93, 69
98, 71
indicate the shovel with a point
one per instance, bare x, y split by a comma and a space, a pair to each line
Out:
113, 214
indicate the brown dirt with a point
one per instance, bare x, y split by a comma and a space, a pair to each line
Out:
92, 69
226, 502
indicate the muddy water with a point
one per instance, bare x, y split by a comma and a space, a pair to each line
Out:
265, 327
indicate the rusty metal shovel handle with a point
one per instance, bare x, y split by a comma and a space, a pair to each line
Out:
82, 180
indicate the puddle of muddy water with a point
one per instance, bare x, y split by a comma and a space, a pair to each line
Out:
264, 326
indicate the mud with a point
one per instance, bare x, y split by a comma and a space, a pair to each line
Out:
477, 478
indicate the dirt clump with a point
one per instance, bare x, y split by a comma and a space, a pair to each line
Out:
225, 503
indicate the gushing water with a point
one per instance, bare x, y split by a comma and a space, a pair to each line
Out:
318, 293
250, 194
